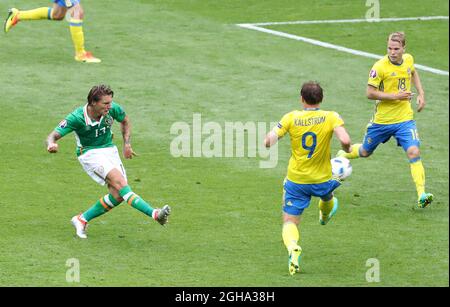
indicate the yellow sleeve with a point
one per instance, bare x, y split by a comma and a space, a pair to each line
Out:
283, 125
337, 120
411, 62
375, 76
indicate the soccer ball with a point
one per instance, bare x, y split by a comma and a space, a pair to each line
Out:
341, 168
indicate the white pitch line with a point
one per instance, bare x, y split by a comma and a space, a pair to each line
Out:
305, 22
335, 47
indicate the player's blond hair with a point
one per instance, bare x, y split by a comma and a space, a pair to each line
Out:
398, 37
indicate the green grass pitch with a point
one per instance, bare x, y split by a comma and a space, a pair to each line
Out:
167, 60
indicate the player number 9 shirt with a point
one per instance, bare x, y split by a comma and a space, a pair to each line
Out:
310, 132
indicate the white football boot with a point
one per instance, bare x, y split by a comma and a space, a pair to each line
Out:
80, 226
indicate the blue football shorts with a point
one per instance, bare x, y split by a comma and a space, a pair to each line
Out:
405, 133
297, 197
66, 3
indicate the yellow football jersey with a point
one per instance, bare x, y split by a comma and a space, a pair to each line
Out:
392, 78
310, 131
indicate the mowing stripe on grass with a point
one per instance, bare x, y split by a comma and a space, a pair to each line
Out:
256, 27
306, 22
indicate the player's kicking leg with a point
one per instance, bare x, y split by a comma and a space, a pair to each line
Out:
117, 181
162, 215
357, 152
327, 209
46, 13
11, 20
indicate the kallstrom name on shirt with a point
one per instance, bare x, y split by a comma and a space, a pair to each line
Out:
309, 121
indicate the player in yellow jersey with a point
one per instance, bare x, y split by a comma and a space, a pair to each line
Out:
390, 85
57, 12
309, 170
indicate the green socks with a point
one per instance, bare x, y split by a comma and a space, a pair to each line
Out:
102, 205
136, 201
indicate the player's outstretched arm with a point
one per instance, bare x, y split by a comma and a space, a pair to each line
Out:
343, 137
270, 139
125, 128
52, 146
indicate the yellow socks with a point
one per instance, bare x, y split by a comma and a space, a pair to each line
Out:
76, 30
326, 207
291, 235
418, 175
354, 153
36, 14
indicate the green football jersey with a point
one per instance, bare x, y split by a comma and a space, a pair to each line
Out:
91, 134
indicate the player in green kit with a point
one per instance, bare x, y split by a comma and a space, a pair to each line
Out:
309, 170
99, 156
